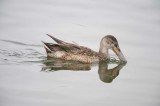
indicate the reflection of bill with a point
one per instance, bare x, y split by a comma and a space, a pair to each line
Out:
105, 74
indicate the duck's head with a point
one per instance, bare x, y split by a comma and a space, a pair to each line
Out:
110, 42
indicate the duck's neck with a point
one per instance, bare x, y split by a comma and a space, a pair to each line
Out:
104, 51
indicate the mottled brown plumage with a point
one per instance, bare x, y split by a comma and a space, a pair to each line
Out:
70, 51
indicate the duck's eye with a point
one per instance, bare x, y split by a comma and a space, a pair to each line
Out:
116, 45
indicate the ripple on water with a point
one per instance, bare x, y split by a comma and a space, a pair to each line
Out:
19, 56
17, 52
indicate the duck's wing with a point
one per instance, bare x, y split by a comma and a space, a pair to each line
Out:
78, 50
70, 47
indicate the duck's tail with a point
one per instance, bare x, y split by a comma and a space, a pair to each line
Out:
57, 40
51, 47
46, 46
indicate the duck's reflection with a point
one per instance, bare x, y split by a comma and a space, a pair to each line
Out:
58, 64
105, 74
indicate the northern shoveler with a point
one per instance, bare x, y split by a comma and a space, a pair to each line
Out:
70, 51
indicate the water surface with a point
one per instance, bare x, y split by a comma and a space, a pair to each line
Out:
28, 78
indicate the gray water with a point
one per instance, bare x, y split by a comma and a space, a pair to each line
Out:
28, 78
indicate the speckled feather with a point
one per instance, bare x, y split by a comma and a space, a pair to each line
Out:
71, 51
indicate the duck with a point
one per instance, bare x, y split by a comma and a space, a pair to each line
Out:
74, 52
